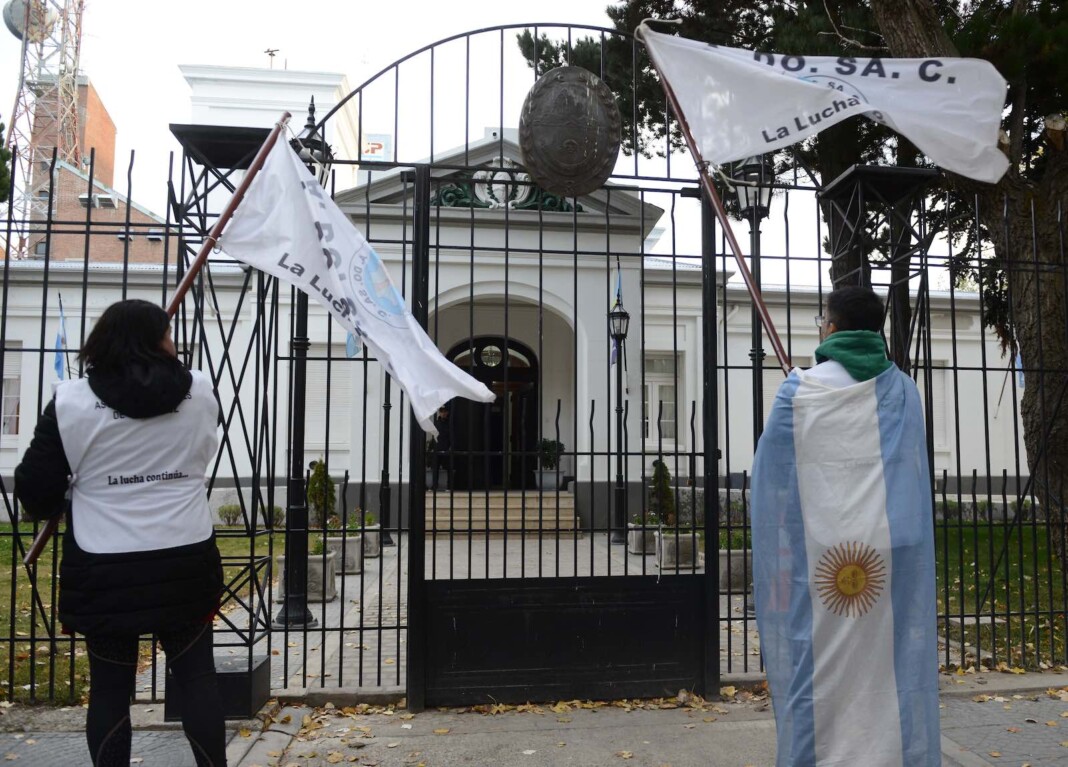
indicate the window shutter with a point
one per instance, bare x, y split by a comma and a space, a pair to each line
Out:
338, 406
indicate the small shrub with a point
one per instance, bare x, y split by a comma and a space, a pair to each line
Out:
369, 518
662, 498
278, 517
317, 547
549, 451
735, 539
229, 514
320, 494
651, 520
355, 520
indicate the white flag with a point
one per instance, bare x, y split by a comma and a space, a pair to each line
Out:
289, 227
741, 103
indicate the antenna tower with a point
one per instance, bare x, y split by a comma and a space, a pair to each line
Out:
45, 115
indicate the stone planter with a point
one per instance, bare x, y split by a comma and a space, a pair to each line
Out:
676, 552
372, 540
641, 540
322, 574
348, 550
548, 479
735, 571
442, 480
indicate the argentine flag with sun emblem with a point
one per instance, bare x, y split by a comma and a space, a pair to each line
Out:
843, 572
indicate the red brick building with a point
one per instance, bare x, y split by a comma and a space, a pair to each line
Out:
118, 230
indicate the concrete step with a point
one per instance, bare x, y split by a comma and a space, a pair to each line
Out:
497, 512
499, 501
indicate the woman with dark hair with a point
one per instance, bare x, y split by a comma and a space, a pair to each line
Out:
125, 451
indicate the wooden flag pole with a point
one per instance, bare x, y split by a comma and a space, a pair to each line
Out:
721, 214
46, 532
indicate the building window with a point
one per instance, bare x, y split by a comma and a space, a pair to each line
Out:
662, 398
937, 400
335, 410
41, 248
9, 403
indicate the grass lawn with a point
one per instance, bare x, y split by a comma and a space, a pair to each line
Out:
1023, 622
55, 664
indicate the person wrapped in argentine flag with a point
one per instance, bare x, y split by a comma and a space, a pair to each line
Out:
843, 554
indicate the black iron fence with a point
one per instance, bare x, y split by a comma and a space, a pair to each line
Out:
610, 463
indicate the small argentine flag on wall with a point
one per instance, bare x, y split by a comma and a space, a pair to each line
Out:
843, 571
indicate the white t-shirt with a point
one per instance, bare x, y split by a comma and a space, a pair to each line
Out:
138, 483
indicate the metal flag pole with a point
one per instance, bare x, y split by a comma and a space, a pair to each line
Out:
197, 264
721, 212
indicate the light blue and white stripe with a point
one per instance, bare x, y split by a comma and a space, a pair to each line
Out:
841, 477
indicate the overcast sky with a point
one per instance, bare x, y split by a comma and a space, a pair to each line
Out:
131, 49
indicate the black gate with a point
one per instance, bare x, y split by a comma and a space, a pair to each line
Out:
524, 582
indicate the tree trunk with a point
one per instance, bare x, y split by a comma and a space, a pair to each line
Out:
1022, 217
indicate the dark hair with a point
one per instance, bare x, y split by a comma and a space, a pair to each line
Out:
127, 332
855, 308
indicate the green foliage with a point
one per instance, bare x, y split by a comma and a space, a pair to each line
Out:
651, 519
5, 166
661, 494
549, 452
316, 546
320, 494
356, 519
1027, 42
229, 514
369, 518
278, 517
735, 539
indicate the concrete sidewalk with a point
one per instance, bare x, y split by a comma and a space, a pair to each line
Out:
987, 719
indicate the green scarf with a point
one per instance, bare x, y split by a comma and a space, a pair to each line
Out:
860, 352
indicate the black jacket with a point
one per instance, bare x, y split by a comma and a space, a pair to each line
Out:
126, 593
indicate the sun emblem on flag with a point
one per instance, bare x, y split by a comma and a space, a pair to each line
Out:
849, 578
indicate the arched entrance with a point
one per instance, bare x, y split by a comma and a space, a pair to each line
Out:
494, 445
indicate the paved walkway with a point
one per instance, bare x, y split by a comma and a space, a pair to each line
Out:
987, 719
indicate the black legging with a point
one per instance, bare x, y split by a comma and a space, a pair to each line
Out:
112, 672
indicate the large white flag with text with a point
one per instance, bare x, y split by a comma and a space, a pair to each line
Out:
742, 103
289, 227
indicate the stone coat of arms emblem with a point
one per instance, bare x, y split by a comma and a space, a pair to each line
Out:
569, 131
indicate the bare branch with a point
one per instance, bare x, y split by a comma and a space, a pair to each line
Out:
848, 40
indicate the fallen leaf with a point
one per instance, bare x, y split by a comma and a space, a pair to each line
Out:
334, 757
245, 732
1013, 729
728, 691
441, 731
392, 745
530, 752
624, 754
995, 754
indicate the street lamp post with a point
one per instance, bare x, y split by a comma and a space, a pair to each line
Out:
619, 323
294, 612
754, 177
